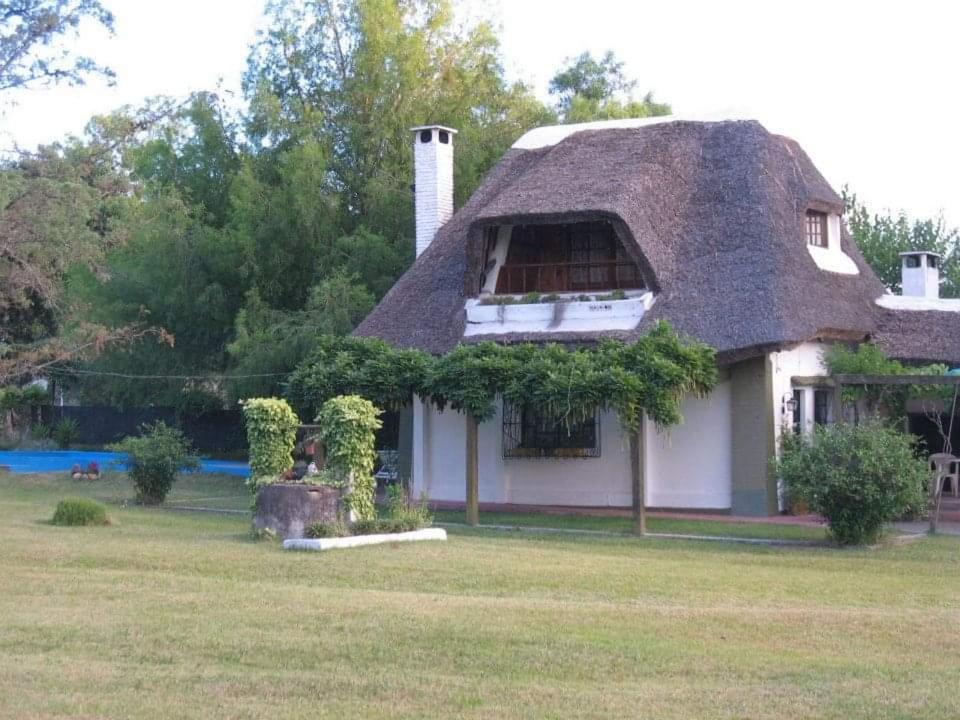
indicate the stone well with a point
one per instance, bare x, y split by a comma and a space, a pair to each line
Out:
288, 509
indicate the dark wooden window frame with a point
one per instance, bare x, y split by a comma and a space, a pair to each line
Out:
815, 228
586, 257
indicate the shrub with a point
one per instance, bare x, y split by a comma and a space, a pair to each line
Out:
379, 526
80, 511
858, 477
39, 432
400, 508
271, 435
348, 426
327, 530
154, 459
66, 433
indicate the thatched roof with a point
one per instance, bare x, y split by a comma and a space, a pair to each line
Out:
713, 212
920, 336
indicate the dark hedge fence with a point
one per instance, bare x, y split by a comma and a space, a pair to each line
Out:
220, 431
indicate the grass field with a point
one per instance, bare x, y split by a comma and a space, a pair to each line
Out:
173, 614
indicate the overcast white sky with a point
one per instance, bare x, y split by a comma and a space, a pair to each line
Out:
870, 89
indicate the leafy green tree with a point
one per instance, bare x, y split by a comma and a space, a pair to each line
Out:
589, 89
61, 206
174, 272
197, 153
269, 344
355, 76
881, 237
33, 51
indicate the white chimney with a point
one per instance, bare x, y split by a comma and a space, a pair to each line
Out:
920, 274
433, 180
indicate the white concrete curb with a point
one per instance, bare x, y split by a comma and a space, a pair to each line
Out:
360, 540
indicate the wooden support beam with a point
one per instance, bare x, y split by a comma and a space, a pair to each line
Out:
473, 472
838, 403
826, 381
638, 480
818, 381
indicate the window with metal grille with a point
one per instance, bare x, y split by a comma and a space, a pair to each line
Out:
529, 434
816, 228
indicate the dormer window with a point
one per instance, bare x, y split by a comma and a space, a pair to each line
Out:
566, 257
816, 228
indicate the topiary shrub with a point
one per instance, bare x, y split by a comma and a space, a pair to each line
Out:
154, 459
858, 477
77, 511
271, 436
348, 426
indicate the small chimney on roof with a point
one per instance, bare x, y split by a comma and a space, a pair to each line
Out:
433, 180
920, 274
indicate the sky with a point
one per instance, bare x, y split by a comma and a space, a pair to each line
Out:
869, 89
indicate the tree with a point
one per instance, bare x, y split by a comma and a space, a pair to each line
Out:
881, 237
589, 89
63, 206
269, 344
32, 51
353, 77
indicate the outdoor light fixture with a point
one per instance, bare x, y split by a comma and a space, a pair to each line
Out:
789, 403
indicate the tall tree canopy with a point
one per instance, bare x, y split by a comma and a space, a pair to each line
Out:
590, 89
247, 234
32, 48
882, 236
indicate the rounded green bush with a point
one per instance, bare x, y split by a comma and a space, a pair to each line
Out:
858, 477
76, 511
154, 459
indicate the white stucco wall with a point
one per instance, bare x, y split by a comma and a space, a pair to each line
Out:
802, 360
687, 467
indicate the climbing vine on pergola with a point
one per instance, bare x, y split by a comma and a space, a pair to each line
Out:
648, 377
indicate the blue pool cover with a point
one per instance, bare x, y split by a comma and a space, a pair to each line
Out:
31, 461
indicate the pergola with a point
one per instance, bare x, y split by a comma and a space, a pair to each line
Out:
839, 381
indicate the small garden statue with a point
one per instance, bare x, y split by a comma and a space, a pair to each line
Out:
75, 472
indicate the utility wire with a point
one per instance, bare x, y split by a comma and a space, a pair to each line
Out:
129, 376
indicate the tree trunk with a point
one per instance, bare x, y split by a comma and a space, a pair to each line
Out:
473, 473
638, 481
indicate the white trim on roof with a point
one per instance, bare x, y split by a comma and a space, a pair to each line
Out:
552, 134
908, 302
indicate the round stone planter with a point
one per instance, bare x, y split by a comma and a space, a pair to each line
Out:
288, 509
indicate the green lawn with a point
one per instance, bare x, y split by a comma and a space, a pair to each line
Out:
172, 614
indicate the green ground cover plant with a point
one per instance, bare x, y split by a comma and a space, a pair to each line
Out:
80, 511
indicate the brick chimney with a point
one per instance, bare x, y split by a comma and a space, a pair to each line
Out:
920, 274
433, 180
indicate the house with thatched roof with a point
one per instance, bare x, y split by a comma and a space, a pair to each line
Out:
582, 232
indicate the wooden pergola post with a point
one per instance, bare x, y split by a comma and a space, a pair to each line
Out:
473, 472
837, 401
638, 480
